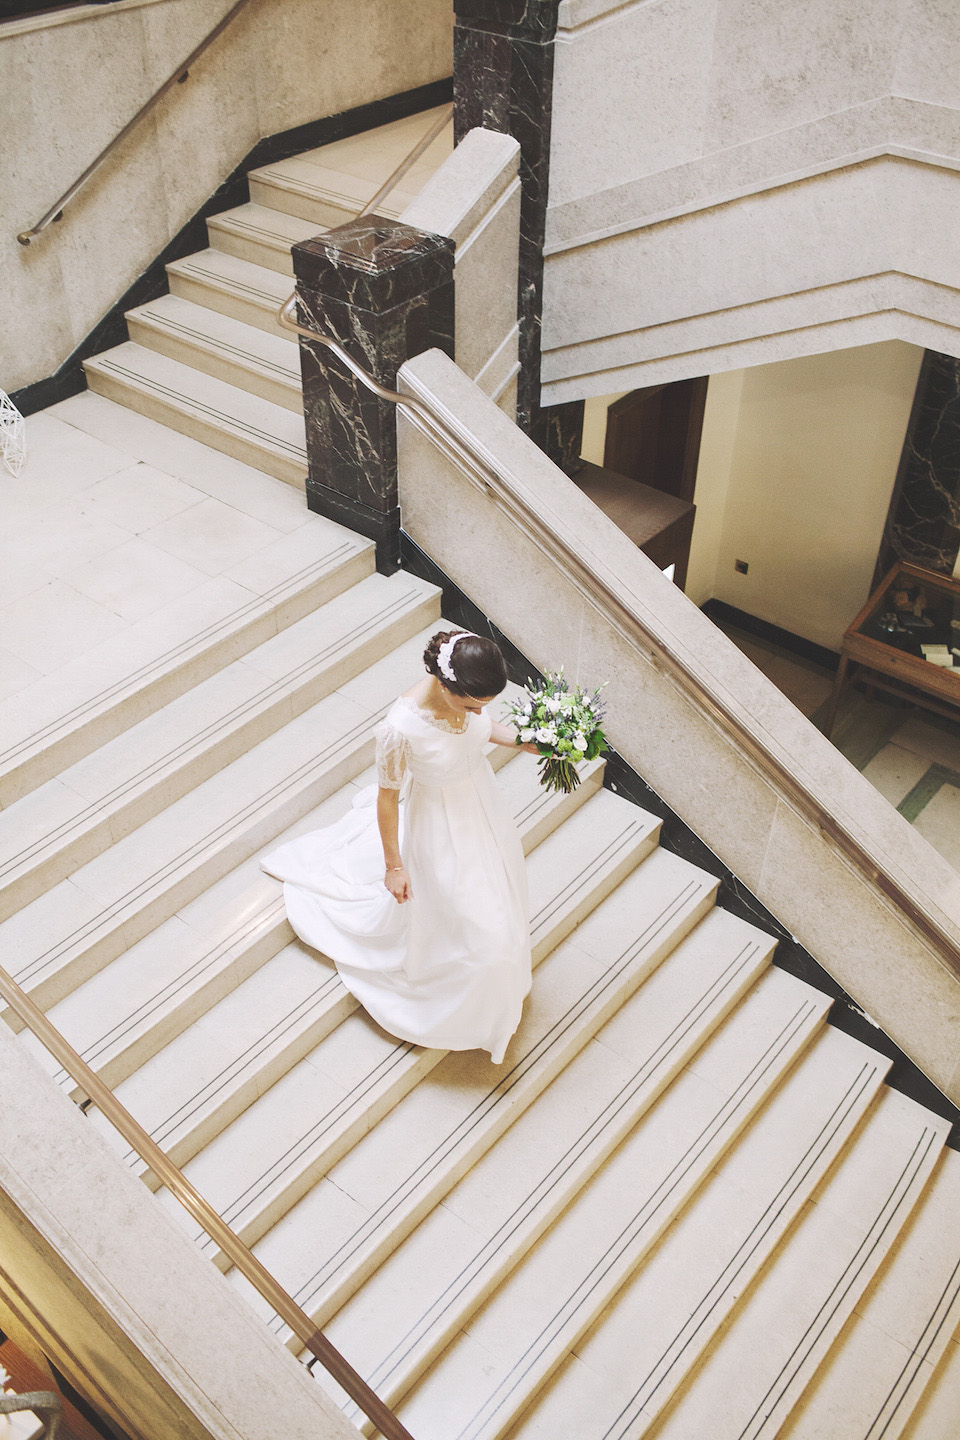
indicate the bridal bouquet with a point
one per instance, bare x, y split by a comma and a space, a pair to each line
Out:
565, 726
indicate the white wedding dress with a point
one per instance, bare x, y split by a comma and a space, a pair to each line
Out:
450, 968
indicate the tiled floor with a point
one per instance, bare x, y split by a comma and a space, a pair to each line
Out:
909, 754
93, 538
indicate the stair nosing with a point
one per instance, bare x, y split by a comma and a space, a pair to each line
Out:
204, 412
345, 550
393, 609
271, 369
321, 1292
619, 1115
530, 1372
163, 1129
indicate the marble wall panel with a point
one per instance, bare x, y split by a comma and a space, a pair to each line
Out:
636, 65
734, 804
775, 66
315, 59
504, 80
923, 525
928, 53
385, 291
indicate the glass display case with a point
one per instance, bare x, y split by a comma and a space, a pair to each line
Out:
906, 640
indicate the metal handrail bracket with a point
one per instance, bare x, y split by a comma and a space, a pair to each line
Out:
176, 77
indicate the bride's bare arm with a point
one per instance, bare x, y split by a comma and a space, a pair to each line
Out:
506, 735
396, 879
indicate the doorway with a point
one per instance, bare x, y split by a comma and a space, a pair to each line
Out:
653, 435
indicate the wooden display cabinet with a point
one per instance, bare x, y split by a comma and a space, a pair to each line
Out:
910, 608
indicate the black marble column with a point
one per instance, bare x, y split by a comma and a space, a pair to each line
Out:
503, 80
385, 292
923, 524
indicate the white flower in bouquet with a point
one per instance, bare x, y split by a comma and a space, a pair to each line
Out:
564, 723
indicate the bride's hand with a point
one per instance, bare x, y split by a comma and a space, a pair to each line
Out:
397, 882
531, 747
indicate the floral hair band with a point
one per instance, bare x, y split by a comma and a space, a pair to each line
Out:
445, 654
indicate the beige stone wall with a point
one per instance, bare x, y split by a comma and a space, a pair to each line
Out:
734, 182
69, 87
797, 465
474, 198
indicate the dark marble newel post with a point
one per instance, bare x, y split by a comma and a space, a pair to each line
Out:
385, 292
503, 80
923, 524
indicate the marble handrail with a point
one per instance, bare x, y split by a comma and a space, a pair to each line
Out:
460, 448
201, 1210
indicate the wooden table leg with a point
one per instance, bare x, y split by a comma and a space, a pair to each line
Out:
835, 694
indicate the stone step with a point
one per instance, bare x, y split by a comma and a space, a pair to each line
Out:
936, 1416
700, 1269
251, 429
49, 833
260, 236
217, 281
330, 185
876, 1377
236, 288
429, 1289
208, 1075
123, 1015
261, 1165
80, 925
126, 1013
328, 1245
771, 1349
494, 1370
99, 695
242, 355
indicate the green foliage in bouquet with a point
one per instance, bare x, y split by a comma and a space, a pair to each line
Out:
564, 724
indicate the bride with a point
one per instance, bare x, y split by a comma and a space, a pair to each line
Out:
422, 901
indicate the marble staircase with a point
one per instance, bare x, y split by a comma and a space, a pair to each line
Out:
683, 1206
209, 359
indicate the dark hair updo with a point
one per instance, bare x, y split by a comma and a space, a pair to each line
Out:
477, 664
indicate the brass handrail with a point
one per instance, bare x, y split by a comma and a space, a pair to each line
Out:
202, 1211
175, 78
394, 179
711, 706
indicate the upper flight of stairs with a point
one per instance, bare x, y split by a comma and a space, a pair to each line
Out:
684, 1206
210, 358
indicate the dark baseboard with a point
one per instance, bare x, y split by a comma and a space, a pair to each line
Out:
69, 379
677, 837
724, 614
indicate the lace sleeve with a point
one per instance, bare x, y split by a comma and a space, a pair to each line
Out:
391, 757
